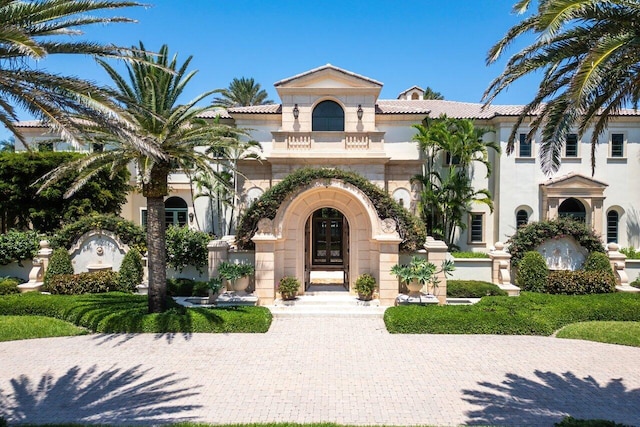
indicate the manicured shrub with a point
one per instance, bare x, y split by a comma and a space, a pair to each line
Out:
83, 283
579, 282
532, 272
288, 287
9, 285
530, 236
574, 422
472, 289
60, 263
131, 271
186, 247
18, 246
365, 285
597, 261
184, 287
469, 255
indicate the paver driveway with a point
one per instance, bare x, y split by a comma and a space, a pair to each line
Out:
337, 369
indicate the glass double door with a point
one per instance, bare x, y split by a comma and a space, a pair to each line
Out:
328, 238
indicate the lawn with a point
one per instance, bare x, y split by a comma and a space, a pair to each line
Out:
625, 333
528, 314
127, 313
29, 327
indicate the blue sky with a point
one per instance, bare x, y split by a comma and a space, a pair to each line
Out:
401, 43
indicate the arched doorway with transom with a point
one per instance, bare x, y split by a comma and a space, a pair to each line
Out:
329, 224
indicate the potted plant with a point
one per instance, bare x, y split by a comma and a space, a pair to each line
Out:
215, 285
365, 286
236, 274
288, 287
420, 273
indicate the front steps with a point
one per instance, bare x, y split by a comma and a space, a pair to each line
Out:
327, 303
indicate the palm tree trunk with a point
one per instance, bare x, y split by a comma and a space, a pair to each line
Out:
157, 254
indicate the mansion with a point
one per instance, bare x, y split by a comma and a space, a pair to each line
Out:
331, 117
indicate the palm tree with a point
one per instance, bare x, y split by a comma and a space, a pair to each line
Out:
432, 94
241, 92
171, 138
32, 30
588, 54
450, 149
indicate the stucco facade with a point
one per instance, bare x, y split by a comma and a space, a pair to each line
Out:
330, 117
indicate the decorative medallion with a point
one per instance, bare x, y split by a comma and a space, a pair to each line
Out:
388, 225
265, 226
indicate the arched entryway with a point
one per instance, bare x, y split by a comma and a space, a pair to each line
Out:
572, 208
327, 248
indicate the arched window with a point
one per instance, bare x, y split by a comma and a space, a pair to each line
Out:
522, 218
175, 211
613, 220
573, 208
328, 116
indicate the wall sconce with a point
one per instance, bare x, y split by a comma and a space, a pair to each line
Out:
360, 112
296, 112
190, 217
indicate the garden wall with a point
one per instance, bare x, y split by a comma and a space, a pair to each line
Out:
14, 270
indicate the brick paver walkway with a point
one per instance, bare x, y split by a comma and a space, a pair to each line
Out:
339, 370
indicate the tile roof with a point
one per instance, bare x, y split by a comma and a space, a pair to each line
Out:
327, 67
220, 112
257, 109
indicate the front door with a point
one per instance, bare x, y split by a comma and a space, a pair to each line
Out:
328, 248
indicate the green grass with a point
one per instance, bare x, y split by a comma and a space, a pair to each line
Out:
462, 255
625, 333
28, 327
529, 314
126, 313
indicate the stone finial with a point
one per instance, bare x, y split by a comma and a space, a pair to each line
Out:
499, 246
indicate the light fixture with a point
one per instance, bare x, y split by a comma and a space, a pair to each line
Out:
190, 217
296, 112
360, 112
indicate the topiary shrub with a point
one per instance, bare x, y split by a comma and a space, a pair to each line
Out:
9, 285
60, 263
288, 287
579, 282
83, 283
186, 247
597, 261
410, 228
131, 271
18, 246
532, 272
530, 236
472, 289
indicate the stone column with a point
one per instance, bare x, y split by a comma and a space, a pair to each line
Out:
500, 265
218, 252
265, 268
44, 255
389, 257
618, 262
437, 254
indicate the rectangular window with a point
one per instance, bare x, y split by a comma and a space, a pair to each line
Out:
476, 228
617, 145
143, 218
571, 146
524, 146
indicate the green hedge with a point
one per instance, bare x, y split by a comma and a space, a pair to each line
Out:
183, 287
187, 247
472, 289
18, 246
410, 228
126, 313
529, 314
9, 285
469, 255
83, 283
579, 282
532, 272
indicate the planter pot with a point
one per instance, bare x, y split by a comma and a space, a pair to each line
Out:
288, 296
239, 286
365, 297
414, 288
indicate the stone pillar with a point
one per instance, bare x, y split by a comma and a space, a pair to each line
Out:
265, 268
40, 264
597, 220
218, 252
44, 255
389, 257
437, 254
618, 263
500, 265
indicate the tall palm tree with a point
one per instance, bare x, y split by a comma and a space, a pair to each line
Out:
588, 53
32, 30
432, 94
172, 136
242, 92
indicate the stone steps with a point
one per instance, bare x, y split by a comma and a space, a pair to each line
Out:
327, 304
